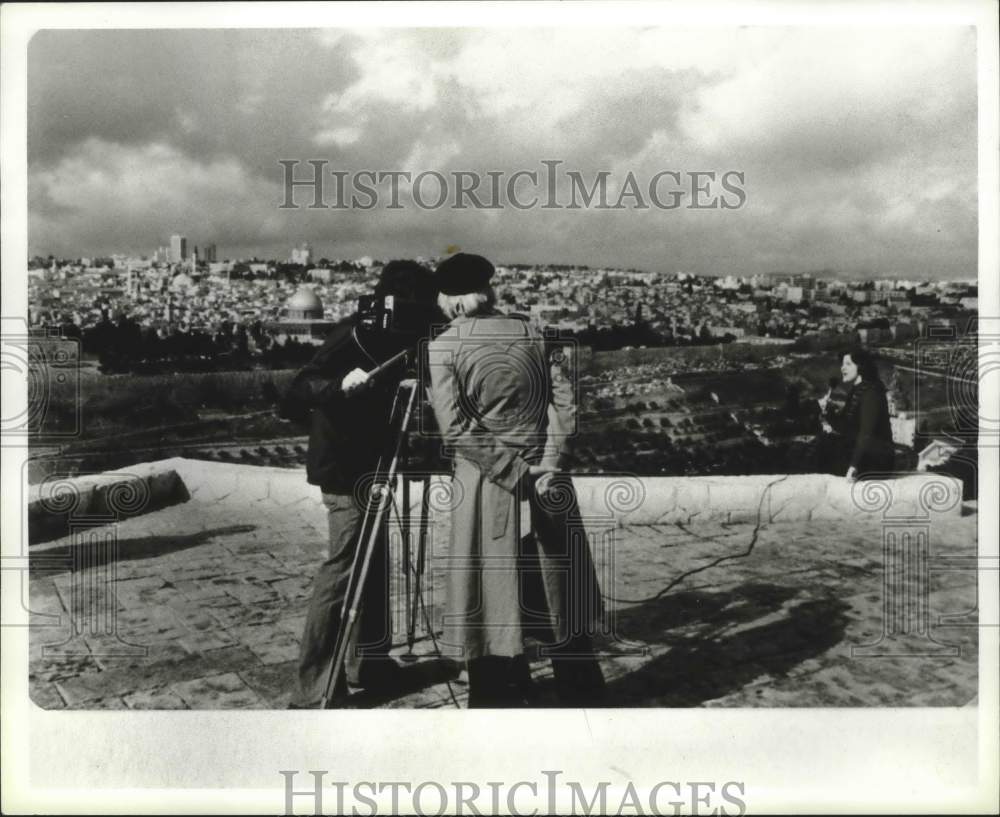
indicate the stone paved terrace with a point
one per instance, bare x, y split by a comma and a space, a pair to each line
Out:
211, 587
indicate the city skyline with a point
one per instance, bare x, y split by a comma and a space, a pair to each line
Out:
858, 146
306, 256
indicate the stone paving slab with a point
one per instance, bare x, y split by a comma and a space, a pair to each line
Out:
225, 691
45, 695
209, 600
158, 698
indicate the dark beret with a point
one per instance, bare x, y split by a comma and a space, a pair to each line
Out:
463, 273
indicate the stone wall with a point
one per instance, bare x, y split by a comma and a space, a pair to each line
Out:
615, 499
110, 496
632, 500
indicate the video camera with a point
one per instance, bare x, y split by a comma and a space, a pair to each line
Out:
390, 313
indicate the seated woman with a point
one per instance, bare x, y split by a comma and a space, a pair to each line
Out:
861, 442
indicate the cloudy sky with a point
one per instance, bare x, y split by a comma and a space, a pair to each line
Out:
858, 146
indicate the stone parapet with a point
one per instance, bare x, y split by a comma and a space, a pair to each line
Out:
632, 500
620, 500
58, 501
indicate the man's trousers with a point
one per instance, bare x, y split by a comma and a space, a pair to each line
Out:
372, 636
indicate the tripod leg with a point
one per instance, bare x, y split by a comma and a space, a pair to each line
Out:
404, 524
425, 494
353, 603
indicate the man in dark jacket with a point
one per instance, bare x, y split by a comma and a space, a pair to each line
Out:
348, 430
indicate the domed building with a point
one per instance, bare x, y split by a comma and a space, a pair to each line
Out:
303, 319
304, 305
182, 283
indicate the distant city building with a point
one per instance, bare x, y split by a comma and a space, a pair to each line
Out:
793, 294
303, 319
178, 249
322, 274
304, 305
302, 255
870, 296
873, 334
766, 340
182, 283
722, 331
546, 312
209, 255
804, 281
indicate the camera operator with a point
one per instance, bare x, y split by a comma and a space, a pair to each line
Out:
347, 413
504, 411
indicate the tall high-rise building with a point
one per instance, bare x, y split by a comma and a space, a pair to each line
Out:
178, 248
209, 254
302, 255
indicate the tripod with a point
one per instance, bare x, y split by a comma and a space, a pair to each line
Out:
371, 535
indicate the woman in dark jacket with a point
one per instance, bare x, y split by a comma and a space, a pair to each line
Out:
862, 444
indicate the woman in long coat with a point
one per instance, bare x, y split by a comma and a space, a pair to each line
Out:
504, 411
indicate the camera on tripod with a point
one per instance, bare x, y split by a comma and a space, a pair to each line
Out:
390, 313
395, 331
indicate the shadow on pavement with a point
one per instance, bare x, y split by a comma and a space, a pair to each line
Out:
60, 559
706, 659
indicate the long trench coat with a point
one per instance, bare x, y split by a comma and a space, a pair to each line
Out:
503, 404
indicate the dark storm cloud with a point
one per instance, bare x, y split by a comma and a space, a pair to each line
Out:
253, 94
859, 147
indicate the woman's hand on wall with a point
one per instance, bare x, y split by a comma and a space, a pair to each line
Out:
543, 476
